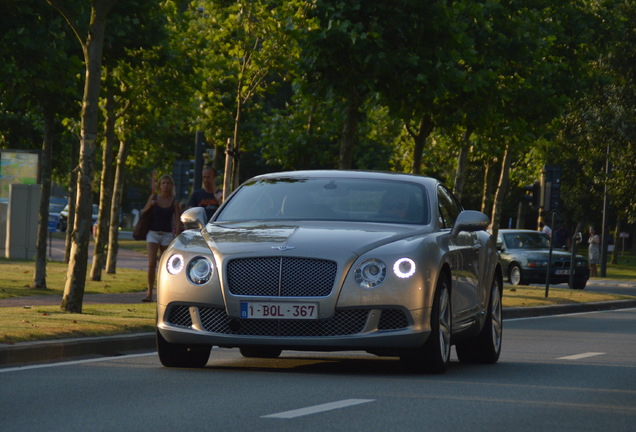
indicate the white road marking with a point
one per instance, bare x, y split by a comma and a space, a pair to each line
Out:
318, 408
74, 362
581, 356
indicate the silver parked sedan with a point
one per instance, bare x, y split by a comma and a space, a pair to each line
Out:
386, 263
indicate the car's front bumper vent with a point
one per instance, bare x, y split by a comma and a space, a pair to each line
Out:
344, 322
281, 277
179, 315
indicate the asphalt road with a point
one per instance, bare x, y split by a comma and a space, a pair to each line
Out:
563, 373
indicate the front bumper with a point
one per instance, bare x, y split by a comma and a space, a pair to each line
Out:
351, 328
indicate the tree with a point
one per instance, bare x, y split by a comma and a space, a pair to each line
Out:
40, 67
92, 48
240, 52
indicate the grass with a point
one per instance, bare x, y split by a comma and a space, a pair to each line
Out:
49, 322
17, 276
20, 324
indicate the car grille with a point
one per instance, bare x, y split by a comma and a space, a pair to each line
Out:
344, 322
281, 277
561, 264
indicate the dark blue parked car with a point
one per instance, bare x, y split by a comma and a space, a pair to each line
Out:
525, 254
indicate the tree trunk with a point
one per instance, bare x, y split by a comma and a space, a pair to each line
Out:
72, 196
106, 186
115, 210
227, 174
424, 130
39, 277
617, 240
93, 49
462, 161
502, 186
236, 148
486, 192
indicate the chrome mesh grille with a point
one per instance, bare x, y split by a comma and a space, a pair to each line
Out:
179, 315
281, 277
344, 322
392, 319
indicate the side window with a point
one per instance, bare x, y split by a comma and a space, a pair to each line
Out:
449, 208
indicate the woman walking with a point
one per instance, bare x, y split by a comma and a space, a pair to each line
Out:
594, 251
164, 222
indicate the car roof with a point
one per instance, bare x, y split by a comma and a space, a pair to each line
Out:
350, 174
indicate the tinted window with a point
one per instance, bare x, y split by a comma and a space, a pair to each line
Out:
527, 240
449, 207
328, 199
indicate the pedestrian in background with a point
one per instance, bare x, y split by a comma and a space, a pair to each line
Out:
208, 197
594, 251
164, 223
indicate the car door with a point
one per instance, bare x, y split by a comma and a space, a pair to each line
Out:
464, 259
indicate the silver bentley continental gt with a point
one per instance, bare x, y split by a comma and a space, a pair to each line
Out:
385, 263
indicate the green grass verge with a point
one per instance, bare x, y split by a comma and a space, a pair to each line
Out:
49, 322
16, 278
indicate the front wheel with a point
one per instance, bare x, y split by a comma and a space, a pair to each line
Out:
515, 275
579, 284
434, 356
486, 347
182, 356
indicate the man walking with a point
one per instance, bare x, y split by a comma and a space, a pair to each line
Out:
208, 197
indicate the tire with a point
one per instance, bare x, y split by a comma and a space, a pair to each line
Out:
182, 356
486, 347
515, 275
260, 352
434, 356
579, 284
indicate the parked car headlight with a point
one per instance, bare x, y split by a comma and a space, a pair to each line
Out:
404, 268
175, 264
537, 264
199, 270
370, 273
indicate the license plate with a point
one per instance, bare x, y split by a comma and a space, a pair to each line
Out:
279, 310
561, 272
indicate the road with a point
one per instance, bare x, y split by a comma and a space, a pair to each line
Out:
560, 373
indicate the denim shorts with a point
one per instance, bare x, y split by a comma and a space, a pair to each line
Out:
162, 238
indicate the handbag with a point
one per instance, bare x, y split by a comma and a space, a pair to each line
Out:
141, 229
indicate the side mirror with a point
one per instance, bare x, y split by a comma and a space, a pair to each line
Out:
194, 218
470, 220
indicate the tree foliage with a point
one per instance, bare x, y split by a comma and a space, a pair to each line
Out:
480, 93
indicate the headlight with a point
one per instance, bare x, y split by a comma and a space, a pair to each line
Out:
370, 273
537, 264
404, 268
175, 264
199, 270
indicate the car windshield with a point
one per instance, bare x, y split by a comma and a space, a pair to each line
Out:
337, 199
527, 240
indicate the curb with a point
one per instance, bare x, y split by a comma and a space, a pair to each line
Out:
537, 311
25, 353
28, 353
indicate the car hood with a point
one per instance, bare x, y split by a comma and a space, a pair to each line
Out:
330, 240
